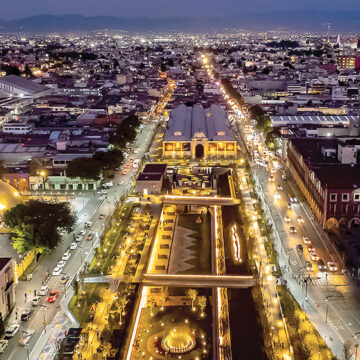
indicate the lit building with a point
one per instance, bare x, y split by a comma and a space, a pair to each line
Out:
7, 298
348, 62
199, 133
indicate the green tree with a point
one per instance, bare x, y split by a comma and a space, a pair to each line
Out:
110, 159
256, 111
76, 287
262, 122
272, 141
84, 168
202, 303
36, 223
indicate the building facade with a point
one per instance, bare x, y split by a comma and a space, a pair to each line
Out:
199, 133
7, 286
314, 165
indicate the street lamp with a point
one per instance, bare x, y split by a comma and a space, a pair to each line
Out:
43, 308
327, 306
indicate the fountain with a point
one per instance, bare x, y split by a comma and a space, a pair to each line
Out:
178, 341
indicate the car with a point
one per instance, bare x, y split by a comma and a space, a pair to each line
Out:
25, 315
293, 199
306, 240
332, 266
64, 279
308, 266
61, 264
277, 196
43, 291
25, 339
271, 178
289, 206
321, 265
310, 247
11, 330
314, 256
279, 187
73, 246
3, 345
54, 294
35, 301
299, 247
57, 271
78, 237
66, 256
283, 176
88, 224
90, 236
101, 216
287, 218
82, 232
292, 229
300, 220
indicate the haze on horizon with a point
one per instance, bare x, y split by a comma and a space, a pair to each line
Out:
16, 9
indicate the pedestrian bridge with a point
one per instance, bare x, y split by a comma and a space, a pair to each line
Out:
200, 281
198, 200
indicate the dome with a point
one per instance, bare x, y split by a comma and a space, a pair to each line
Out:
9, 197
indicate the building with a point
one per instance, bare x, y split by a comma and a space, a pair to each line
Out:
17, 128
151, 179
199, 133
7, 286
316, 165
9, 197
18, 86
348, 62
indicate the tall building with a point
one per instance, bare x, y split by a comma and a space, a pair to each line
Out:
199, 133
7, 297
348, 62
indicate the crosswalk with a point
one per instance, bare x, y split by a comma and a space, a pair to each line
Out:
335, 280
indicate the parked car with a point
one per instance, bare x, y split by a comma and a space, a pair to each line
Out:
54, 294
66, 256
332, 266
11, 330
299, 247
35, 301
57, 271
73, 246
43, 291
90, 236
25, 339
61, 264
88, 224
78, 237
82, 232
25, 315
3, 345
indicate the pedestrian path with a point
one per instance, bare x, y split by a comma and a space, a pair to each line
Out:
336, 280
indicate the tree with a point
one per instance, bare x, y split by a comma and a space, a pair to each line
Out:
28, 72
84, 168
121, 305
262, 122
272, 141
36, 223
76, 286
256, 111
202, 303
192, 294
109, 159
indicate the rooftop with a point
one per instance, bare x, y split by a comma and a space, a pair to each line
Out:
23, 84
343, 120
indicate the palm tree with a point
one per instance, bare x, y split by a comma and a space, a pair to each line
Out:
192, 294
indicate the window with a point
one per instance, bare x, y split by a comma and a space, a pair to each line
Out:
333, 197
356, 197
62, 186
345, 197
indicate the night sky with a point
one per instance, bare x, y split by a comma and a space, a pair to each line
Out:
13, 9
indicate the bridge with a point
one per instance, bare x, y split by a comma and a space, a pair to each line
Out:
198, 200
200, 281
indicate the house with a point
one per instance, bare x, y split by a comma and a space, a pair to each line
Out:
151, 179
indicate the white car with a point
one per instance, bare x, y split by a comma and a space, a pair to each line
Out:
82, 232
3, 345
277, 196
66, 256
43, 291
332, 266
35, 301
11, 330
73, 246
78, 237
26, 337
61, 264
57, 271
